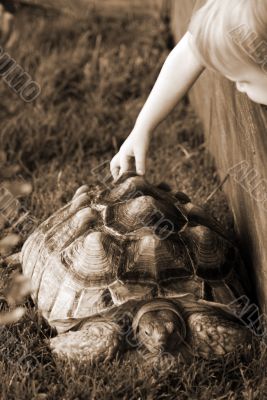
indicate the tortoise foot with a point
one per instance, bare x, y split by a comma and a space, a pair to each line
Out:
96, 341
212, 336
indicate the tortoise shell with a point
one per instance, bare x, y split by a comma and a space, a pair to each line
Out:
131, 241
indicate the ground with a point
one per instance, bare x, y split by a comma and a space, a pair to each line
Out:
95, 74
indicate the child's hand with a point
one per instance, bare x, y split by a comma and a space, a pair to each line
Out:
179, 72
135, 149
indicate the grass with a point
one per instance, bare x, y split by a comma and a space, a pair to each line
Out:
95, 74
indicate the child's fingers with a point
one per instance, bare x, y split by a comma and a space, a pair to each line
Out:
125, 163
140, 161
115, 166
116, 173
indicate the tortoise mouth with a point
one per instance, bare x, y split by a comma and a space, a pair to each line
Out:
158, 305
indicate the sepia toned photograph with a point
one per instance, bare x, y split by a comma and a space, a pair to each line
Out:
133, 199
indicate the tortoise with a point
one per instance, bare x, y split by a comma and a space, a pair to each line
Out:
134, 265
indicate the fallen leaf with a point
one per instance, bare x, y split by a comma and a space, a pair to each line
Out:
10, 171
18, 289
18, 188
11, 316
8, 243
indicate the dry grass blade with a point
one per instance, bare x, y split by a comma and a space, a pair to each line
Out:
217, 188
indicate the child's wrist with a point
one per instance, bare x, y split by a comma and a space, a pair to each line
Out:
142, 129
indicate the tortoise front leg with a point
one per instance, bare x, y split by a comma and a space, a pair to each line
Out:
212, 336
95, 341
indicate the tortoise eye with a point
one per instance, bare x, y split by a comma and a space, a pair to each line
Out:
147, 333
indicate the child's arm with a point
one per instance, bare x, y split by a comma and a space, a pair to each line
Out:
179, 72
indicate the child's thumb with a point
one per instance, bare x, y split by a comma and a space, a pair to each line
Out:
140, 162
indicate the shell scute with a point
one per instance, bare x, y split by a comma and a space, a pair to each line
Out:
214, 256
150, 259
141, 212
80, 202
93, 259
121, 293
183, 286
129, 189
66, 231
84, 189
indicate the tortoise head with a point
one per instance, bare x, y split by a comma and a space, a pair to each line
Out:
159, 326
